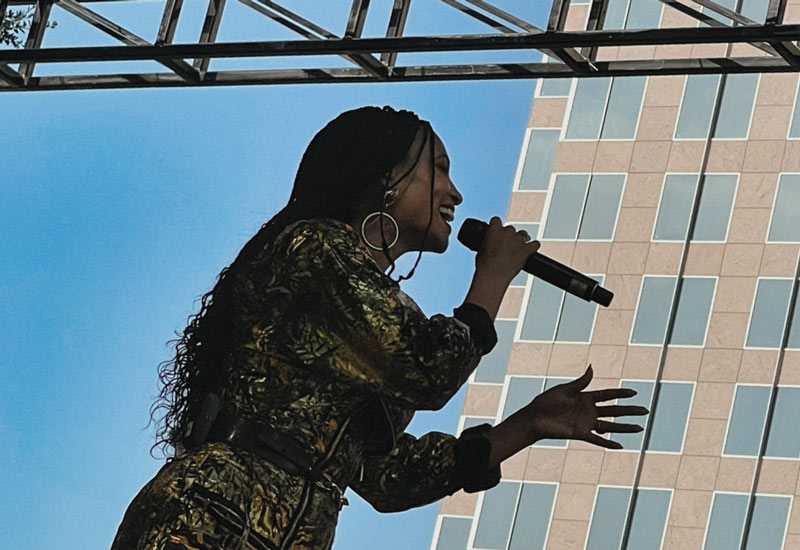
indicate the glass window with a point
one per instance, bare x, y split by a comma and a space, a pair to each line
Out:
650, 324
755, 9
727, 521
608, 520
602, 206
794, 130
624, 104
747, 420
714, 211
675, 208
521, 390
784, 226
577, 318
669, 417
492, 367
769, 522
554, 87
574, 213
643, 397
794, 327
541, 314
497, 514
736, 107
694, 309
699, 96
539, 159
643, 14
453, 534
649, 518
610, 510
566, 206
769, 313
615, 14
588, 108
784, 437
533, 516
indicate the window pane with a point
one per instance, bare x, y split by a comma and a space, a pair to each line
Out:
676, 207
643, 14
554, 87
694, 308
794, 131
588, 108
539, 158
624, 103
521, 390
615, 15
714, 212
649, 518
747, 420
727, 522
794, 327
566, 206
521, 279
669, 417
769, 313
784, 437
602, 207
784, 226
610, 509
577, 318
698, 102
492, 367
650, 325
644, 393
736, 106
755, 9
454, 534
497, 513
533, 516
769, 523
541, 315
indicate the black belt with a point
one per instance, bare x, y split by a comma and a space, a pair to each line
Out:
276, 447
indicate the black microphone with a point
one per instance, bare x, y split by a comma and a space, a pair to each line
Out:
473, 232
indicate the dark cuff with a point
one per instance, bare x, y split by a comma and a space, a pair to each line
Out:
480, 325
472, 451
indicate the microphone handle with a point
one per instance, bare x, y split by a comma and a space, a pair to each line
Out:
567, 279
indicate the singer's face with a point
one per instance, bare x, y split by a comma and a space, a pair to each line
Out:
413, 208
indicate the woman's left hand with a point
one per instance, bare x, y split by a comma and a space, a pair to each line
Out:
565, 411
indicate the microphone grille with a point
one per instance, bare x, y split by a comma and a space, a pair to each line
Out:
472, 233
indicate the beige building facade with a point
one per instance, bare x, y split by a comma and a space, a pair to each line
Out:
681, 194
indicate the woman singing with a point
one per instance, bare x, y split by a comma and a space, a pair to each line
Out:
306, 361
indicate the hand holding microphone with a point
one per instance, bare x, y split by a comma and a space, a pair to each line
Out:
472, 235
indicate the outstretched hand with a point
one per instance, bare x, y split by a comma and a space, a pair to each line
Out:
567, 412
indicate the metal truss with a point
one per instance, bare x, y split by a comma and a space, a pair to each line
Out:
375, 59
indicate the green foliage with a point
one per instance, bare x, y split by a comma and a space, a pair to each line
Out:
15, 24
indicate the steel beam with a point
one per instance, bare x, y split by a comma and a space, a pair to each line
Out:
169, 22
357, 18
208, 35
397, 23
35, 35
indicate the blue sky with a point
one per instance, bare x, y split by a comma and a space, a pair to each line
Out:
118, 209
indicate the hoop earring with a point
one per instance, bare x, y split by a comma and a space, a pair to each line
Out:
364, 225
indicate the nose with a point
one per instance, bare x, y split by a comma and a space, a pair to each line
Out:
457, 198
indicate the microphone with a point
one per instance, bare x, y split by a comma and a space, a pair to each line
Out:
473, 232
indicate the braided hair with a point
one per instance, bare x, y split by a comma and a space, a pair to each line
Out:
345, 170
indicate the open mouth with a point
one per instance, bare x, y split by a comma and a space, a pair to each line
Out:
447, 213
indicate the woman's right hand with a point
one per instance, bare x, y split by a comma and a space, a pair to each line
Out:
504, 251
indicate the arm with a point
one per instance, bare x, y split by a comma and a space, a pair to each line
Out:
422, 470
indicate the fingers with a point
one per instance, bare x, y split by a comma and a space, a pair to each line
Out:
621, 410
602, 442
611, 393
603, 427
579, 384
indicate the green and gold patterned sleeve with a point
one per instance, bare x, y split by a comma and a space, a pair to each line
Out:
352, 321
422, 470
